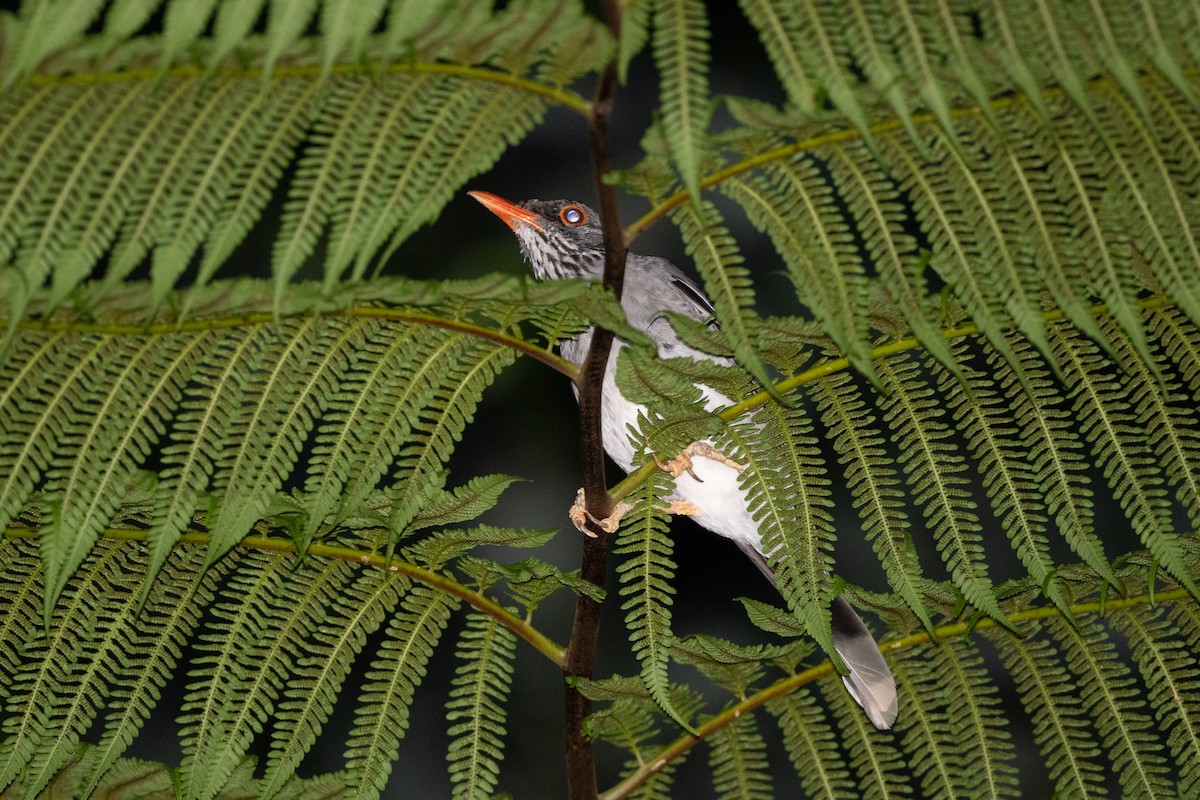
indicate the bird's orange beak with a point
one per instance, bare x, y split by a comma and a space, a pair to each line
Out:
512, 214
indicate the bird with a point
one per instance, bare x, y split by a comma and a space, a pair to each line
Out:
563, 239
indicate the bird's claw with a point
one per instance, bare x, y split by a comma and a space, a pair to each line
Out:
683, 462
581, 517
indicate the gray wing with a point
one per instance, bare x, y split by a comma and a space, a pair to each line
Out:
654, 286
870, 681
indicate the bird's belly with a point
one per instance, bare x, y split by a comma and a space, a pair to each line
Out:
721, 505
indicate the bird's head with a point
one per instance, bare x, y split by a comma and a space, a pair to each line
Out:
560, 238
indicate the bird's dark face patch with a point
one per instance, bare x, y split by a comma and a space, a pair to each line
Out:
567, 243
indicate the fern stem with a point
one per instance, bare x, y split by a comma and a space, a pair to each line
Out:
542, 643
561, 97
832, 137
636, 478
537, 353
731, 714
585, 627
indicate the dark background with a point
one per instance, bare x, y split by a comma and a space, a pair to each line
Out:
527, 427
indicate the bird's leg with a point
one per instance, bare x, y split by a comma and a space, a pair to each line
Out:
683, 462
580, 516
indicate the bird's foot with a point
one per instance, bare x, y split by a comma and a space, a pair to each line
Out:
685, 507
683, 462
580, 516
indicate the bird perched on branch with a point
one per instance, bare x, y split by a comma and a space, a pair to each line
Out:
563, 239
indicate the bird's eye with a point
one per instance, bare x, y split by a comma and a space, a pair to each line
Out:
573, 215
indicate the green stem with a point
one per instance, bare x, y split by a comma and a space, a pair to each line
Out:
718, 721
543, 644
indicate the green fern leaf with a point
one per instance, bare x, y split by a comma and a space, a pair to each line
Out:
318, 680
182, 26
717, 258
938, 760
738, 760
808, 238
874, 485
392, 681
1163, 412
433, 440
1055, 458
43, 29
476, 123
645, 583
168, 618
240, 677
463, 503
1169, 670
635, 32
199, 432
788, 492
345, 26
268, 439
475, 709
935, 474
681, 54
1112, 700
811, 744
874, 201
125, 428
1052, 700
44, 717
283, 119
1006, 473
314, 190
1102, 405
878, 763
976, 717
779, 28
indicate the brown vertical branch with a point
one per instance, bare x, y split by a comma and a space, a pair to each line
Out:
585, 632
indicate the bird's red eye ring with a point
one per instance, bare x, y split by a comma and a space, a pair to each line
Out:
573, 216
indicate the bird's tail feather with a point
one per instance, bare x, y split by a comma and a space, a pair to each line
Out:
870, 681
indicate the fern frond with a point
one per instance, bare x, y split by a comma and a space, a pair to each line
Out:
934, 472
1102, 405
938, 760
738, 760
275, 420
779, 28
1054, 454
680, 43
63, 674
168, 619
240, 682
811, 744
382, 717
646, 583
309, 699
1052, 702
788, 491
1116, 705
875, 202
810, 235
981, 415
475, 709
1163, 655
874, 485
977, 718
454, 400
1164, 414
877, 763
199, 432
728, 282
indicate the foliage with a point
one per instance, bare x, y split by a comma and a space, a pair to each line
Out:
240, 484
